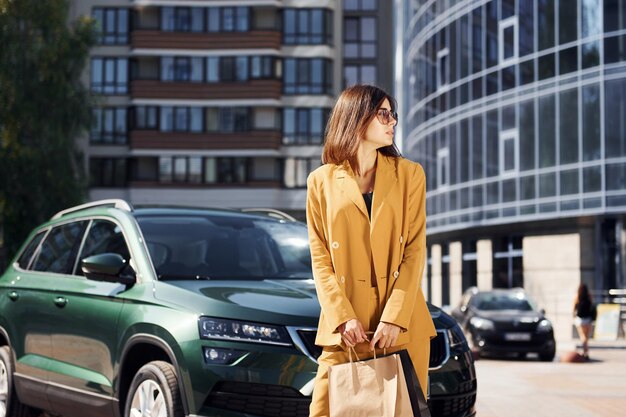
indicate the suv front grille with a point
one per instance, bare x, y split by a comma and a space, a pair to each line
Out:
438, 350
456, 404
259, 399
308, 338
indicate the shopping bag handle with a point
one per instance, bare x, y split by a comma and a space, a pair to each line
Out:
351, 350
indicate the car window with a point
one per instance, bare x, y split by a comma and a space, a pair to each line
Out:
103, 237
226, 247
26, 256
58, 250
501, 302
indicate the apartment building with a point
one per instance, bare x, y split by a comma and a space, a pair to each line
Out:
222, 103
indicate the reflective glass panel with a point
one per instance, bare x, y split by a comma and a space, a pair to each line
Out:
568, 126
591, 122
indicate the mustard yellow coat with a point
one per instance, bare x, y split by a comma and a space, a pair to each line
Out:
344, 243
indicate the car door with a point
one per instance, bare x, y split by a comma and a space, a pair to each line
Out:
84, 343
32, 300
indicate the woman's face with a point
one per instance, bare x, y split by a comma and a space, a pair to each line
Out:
380, 131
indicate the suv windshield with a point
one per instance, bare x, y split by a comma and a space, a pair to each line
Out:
491, 301
218, 246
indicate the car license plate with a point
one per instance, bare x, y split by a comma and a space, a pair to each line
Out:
517, 337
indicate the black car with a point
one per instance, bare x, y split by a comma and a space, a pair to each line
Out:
505, 321
452, 375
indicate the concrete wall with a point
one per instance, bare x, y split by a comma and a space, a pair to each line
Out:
456, 276
484, 264
435, 276
552, 273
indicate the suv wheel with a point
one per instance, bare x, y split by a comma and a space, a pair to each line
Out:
154, 392
10, 405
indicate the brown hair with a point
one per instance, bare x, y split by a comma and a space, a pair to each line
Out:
583, 295
354, 110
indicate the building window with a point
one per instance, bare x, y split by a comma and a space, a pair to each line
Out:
508, 152
307, 76
108, 172
231, 170
109, 75
307, 26
443, 68
296, 171
359, 74
508, 270
242, 68
264, 169
109, 126
182, 19
469, 269
181, 169
181, 119
228, 19
145, 118
304, 126
359, 37
111, 25
228, 119
508, 44
182, 69
443, 167
354, 5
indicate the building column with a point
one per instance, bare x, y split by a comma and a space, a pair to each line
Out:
456, 275
484, 265
435, 276
552, 274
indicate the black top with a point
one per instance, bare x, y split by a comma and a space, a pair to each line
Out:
584, 310
368, 202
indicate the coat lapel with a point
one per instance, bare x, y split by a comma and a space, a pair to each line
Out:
349, 187
386, 178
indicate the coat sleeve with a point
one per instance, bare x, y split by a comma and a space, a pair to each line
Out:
399, 307
335, 305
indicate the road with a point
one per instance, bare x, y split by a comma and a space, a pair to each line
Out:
522, 388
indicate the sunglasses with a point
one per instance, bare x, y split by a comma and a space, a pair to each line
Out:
384, 116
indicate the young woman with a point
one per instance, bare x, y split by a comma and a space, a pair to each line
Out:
583, 316
366, 216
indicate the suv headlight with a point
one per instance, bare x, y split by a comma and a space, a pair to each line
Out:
544, 326
241, 331
482, 324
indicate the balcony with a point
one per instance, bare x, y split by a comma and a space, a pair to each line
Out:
255, 39
256, 139
254, 89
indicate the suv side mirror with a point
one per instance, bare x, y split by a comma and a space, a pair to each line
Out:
106, 267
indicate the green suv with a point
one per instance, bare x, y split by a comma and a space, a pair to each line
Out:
109, 310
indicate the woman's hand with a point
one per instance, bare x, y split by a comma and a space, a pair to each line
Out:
386, 335
352, 332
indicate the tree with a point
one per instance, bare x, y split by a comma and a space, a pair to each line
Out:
43, 108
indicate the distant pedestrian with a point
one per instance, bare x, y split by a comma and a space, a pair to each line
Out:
584, 316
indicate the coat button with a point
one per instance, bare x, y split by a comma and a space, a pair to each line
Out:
396, 274
401, 239
343, 279
335, 245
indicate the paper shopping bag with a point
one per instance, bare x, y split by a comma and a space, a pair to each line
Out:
372, 388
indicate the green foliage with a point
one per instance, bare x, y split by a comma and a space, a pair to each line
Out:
44, 106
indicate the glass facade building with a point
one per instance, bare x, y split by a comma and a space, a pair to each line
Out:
517, 111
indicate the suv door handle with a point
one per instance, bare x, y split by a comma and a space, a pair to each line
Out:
13, 295
60, 301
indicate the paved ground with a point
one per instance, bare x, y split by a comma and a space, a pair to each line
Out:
522, 388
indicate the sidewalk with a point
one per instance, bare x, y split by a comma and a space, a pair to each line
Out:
522, 388
574, 344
